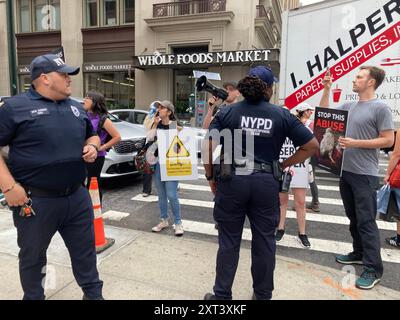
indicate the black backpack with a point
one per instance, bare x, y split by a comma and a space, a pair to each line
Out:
102, 120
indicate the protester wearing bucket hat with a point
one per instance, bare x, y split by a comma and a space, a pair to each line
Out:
169, 106
48, 170
165, 119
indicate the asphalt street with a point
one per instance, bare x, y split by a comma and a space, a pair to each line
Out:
328, 230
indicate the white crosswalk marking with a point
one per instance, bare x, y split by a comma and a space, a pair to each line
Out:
206, 188
195, 187
327, 179
327, 188
316, 217
388, 255
196, 193
317, 171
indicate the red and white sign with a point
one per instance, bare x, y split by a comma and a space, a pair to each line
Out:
342, 35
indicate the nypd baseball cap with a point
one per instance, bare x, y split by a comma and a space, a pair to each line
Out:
50, 63
264, 73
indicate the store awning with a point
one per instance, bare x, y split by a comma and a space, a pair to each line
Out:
209, 59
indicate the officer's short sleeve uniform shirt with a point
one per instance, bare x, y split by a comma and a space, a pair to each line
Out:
267, 123
46, 139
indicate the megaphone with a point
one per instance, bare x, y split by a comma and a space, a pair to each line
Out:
203, 84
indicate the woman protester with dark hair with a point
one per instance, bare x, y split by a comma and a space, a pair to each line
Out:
95, 106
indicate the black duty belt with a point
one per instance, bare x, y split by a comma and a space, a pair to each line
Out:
46, 193
263, 167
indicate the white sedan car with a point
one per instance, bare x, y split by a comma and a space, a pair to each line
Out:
120, 159
137, 117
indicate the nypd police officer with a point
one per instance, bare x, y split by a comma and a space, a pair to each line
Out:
50, 139
249, 185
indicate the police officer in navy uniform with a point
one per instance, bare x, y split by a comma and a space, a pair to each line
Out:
252, 189
50, 139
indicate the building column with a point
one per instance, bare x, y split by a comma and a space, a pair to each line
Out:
71, 39
4, 66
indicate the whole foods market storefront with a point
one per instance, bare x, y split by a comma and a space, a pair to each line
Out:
115, 80
171, 76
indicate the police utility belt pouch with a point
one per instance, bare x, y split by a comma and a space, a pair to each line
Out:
223, 171
276, 170
263, 167
44, 193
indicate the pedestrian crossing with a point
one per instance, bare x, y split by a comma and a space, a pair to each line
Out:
195, 196
316, 217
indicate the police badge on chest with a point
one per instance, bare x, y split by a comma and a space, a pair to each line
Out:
75, 111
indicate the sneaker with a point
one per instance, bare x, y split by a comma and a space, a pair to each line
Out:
393, 241
210, 296
367, 280
313, 207
179, 230
303, 239
162, 225
350, 258
279, 235
145, 195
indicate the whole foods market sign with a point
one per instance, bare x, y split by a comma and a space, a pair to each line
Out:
206, 58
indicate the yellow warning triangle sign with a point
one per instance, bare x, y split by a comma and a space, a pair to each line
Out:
177, 149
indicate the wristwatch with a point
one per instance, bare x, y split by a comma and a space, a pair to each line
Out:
209, 178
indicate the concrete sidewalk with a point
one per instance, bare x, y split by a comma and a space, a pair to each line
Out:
144, 265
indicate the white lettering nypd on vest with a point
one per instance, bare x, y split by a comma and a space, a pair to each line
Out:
257, 126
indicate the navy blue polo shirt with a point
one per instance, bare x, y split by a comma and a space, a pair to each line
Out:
267, 123
46, 140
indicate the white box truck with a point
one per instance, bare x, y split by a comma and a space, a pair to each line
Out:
342, 35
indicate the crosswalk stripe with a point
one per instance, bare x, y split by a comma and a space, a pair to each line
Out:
327, 178
314, 217
195, 187
329, 246
202, 177
322, 171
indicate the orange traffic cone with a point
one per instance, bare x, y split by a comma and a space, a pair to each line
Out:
102, 243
